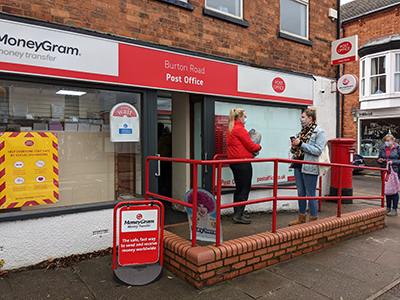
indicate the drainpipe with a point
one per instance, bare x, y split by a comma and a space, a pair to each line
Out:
338, 110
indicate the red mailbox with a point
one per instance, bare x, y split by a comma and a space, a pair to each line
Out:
342, 152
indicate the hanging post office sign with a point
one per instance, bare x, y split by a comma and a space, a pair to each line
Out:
124, 123
344, 50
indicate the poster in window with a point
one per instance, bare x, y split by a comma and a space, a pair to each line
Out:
28, 169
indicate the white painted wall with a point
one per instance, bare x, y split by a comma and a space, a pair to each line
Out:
29, 242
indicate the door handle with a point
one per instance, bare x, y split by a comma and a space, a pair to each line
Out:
158, 173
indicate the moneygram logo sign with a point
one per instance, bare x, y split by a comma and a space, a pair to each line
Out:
38, 46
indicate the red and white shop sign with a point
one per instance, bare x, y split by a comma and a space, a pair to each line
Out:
347, 84
124, 123
139, 235
344, 50
278, 84
75, 56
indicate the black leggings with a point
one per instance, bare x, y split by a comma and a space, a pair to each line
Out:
242, 174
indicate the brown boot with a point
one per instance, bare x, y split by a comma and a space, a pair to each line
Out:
312, 219
302, 219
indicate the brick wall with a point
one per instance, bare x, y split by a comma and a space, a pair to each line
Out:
368, 28
207, 265
161, 23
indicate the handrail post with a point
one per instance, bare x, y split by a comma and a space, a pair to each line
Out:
194, 209
147, 175
275, 195
218, 233
339, 209
320, 194
383, 176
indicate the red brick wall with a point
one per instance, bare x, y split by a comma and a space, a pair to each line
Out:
157, 22
207, 265
368, 28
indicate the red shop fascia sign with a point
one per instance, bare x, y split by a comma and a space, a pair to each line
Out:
37, 50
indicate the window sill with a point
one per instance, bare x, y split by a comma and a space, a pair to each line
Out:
214, 14
57, 211
182, 4
294, 39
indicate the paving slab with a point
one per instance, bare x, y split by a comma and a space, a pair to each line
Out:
293, 291
259, 283
5, 288
62, 283
300, 270
339, 286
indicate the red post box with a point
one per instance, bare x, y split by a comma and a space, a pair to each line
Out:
342, 152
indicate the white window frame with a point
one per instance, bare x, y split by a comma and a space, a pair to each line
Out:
362, 78
240, 6
307, 19
390, 71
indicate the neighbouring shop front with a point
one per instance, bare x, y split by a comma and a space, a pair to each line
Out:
66, 83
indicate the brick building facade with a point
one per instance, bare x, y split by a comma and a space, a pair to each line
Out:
180, 65
377, 26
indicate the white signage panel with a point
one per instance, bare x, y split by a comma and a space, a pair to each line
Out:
124, 123
347, 84
266, 82
51, 48
344, 50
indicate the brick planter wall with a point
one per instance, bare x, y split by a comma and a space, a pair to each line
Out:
207, 265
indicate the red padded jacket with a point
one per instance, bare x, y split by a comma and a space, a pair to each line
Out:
239, 143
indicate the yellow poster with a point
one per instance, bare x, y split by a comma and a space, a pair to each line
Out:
28, 169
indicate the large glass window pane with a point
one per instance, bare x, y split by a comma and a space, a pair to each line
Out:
275, 125
397, 74
233, 7
91, 168
294, 17
373, 130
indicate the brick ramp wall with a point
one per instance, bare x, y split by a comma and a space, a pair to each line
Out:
207, 265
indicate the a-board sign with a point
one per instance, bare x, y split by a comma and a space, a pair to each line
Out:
139, 236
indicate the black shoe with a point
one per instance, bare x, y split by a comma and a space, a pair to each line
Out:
246, 215
241, 220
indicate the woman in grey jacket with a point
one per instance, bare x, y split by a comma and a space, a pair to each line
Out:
308, 146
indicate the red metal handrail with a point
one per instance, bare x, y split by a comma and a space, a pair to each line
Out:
221, 156
274, 198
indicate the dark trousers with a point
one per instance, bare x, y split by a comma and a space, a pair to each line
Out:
242, 174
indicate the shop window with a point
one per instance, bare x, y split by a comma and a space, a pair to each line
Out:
294, 18
378, 75
372, 132
230, 7
277, 126
91, 169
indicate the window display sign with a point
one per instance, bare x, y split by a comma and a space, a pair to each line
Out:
28, 169
139, 239
124, 123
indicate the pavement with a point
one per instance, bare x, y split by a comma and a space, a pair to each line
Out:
365, 267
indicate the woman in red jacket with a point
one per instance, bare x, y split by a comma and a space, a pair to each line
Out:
241, 146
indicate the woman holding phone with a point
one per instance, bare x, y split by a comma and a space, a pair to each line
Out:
307, 146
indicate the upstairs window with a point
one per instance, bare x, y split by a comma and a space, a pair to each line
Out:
230, 7
294, 17
397, 73
362, 85
378, 75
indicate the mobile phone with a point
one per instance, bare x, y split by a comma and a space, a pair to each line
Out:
292, 137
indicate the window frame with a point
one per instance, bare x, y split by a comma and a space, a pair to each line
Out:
225, 13
294, 36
